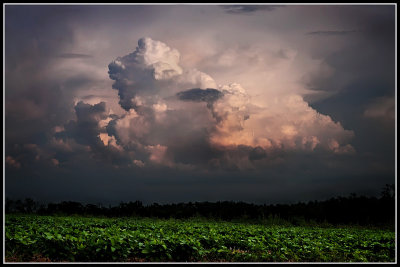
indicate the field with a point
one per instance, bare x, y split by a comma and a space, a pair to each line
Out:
83, 239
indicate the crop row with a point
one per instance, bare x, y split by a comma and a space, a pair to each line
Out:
98, 240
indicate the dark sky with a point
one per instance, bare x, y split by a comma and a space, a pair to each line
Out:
171, 103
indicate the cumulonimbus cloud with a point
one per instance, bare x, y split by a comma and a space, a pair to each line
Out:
152, 69
172, 113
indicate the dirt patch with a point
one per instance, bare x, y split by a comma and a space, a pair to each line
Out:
34, 258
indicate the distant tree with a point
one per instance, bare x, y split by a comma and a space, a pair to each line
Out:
9, 205
30, 205
19, 206
388, 192
352, 209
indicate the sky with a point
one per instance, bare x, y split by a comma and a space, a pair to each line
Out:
178, 103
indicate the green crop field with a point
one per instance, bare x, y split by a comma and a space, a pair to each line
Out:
82, 239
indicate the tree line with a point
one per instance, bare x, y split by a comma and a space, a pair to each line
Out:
353, 209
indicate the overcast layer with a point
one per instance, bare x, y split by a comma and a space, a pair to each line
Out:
178, 103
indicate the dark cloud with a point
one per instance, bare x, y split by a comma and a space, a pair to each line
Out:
330, 33
246, 9
208, 95
85, 130
257, 153
73, 55
36, 99
193, 148
86, 180
173, 144
363, 69
363, 84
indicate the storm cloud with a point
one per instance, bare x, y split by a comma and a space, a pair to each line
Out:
174, 103
147, 80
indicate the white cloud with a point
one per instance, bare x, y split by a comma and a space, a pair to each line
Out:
286, 122
152, 69
139, 163
149, 79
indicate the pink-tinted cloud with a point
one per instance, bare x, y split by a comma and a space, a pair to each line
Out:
157, 94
